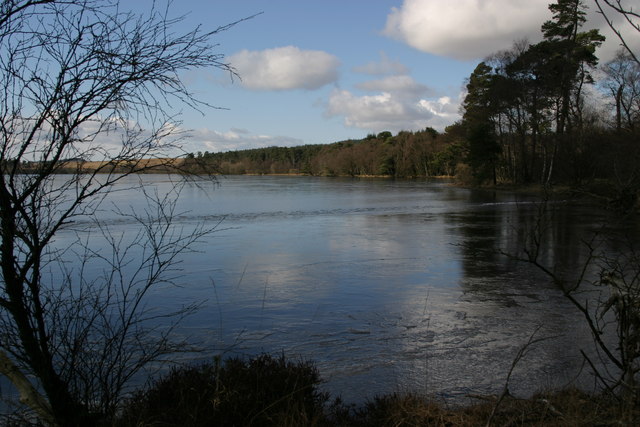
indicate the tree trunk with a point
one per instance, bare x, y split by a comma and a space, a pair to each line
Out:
28, 394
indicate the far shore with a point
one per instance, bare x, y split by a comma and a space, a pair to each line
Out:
179, 164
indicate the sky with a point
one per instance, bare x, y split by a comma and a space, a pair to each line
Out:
317, 72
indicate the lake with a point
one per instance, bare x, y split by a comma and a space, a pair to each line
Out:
387, 285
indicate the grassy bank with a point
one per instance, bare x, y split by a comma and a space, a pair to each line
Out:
275, 391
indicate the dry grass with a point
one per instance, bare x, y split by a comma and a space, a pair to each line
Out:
562, 408
273, 391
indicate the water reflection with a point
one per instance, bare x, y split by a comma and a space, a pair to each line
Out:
506, 300
386, 284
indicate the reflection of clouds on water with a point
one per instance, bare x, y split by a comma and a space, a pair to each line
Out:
505, 301
385, 284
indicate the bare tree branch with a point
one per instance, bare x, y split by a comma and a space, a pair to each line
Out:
606, 291
627, 13
87, 81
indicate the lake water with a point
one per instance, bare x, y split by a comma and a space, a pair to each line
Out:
386, 285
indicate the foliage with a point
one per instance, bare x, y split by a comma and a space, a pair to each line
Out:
262, 390
245, 392
408, 154
482, 147
483, 152
526, 118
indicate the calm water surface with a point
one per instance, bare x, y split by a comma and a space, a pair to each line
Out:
387, 285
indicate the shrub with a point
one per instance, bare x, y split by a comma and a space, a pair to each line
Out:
406, 410
263, 390
464, 175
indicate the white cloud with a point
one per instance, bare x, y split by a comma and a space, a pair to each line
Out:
234, 139
473, 29
401, 86
394, 109
285, 68
465, 29
445, 110
367, 112
393, 102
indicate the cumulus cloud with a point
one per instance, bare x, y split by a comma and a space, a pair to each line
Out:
393, 102
285, 68
234, 139
445, 110
474, 29
396, 107
366, 112
401, 86
465, 29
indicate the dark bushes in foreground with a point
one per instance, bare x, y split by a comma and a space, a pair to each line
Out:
274, 391
264, 390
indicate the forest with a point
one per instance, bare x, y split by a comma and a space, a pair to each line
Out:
407, 154
536, 114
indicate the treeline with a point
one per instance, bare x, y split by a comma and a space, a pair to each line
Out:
407, 154
535, 113
544, 114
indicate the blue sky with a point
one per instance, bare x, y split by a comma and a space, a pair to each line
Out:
324, 71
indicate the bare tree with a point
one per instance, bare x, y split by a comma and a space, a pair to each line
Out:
630, 19
622, 79
84, 81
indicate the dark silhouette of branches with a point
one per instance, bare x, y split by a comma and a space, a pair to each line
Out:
86, 81
606, 291
610, 8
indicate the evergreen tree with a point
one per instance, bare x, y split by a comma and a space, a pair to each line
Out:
570, 54
479, 105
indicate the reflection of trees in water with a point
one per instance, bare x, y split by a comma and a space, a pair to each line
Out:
504, 300
499, 289
500, 224
486, 226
